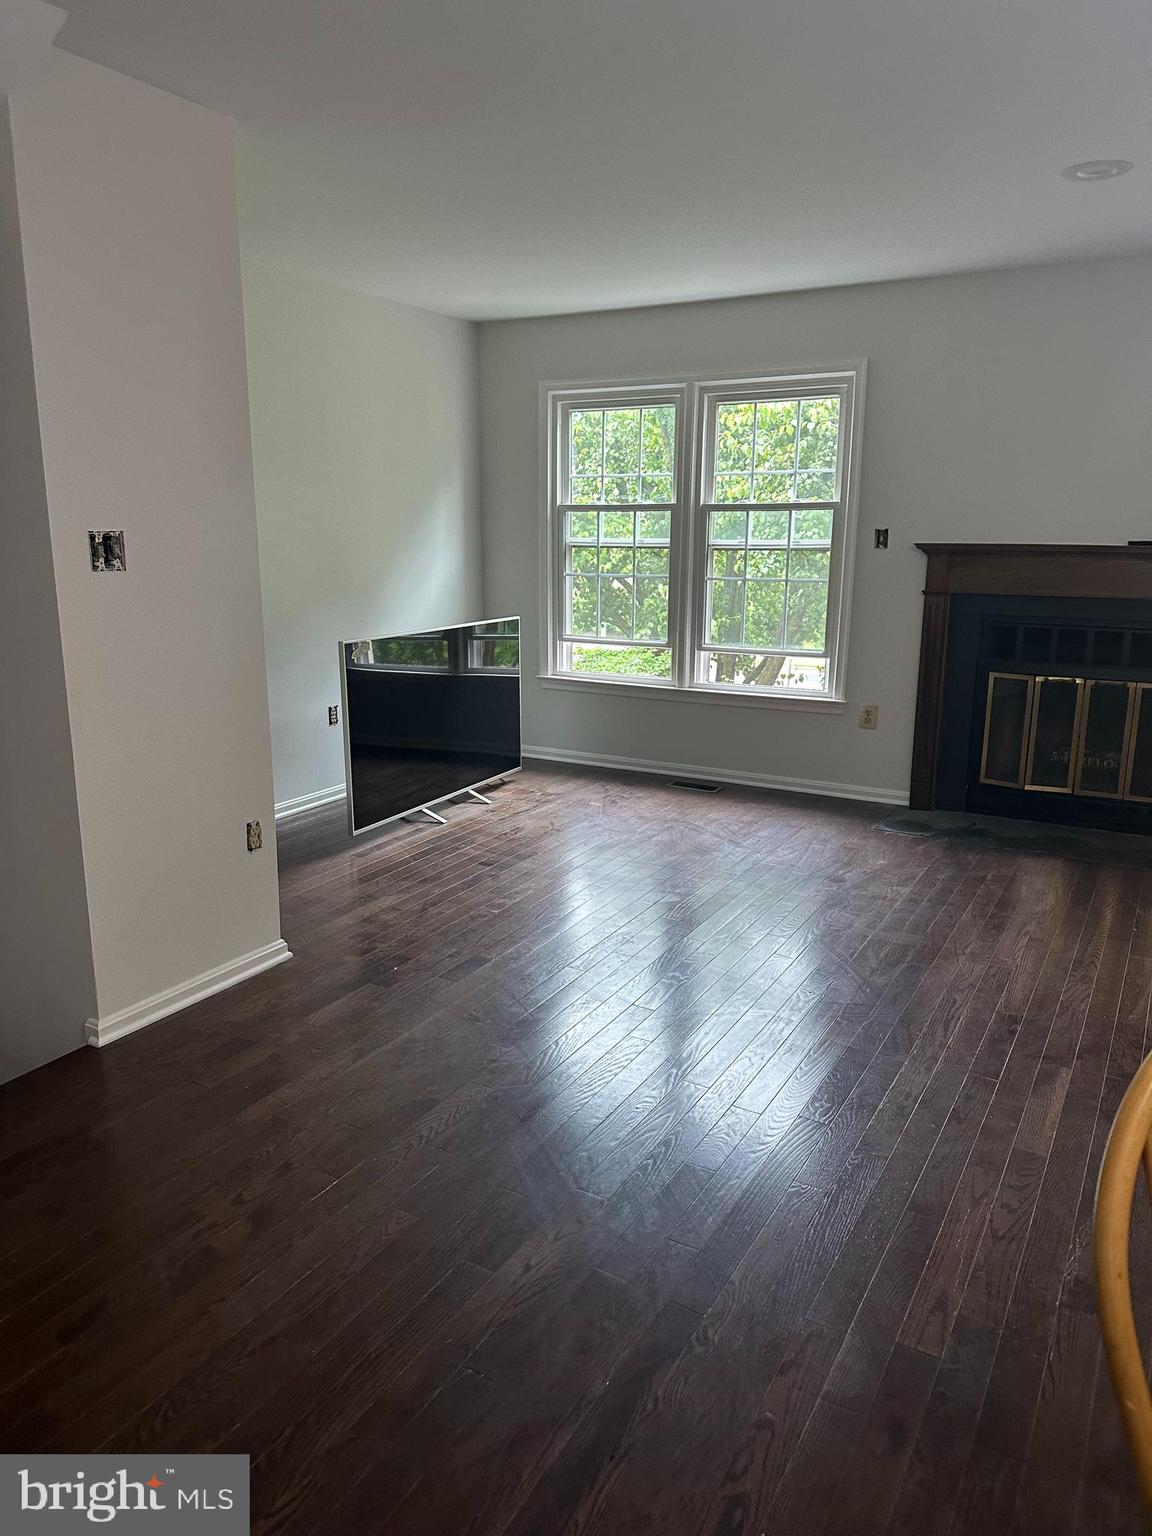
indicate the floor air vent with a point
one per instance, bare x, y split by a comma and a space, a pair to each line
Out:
698, 785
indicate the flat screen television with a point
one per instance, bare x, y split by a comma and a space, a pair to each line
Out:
428, 716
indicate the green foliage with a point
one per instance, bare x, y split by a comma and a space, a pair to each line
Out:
812, 525
622, 455
499, 653
651, 608
622, 443
808, 565
617, 525
621, 661
726, 612
729, 527
616, 597
819, 430
768, 564
586, 436
776, 435
733, 488
770, 527
807, 615
728, 562
764, 617
416, 651
776, 450
735, 429
583, 604
658, 433
654, 525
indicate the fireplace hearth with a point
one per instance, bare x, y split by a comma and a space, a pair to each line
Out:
1035, 695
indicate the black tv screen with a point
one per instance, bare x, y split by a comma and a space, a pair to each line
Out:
428, 716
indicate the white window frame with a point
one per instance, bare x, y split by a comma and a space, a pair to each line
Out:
562, 403
696, 398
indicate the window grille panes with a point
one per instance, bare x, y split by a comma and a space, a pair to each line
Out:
616, 531
698, 531
769, 542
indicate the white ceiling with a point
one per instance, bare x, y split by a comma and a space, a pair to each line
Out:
491, 158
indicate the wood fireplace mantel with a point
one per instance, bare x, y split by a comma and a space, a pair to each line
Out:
1021, 570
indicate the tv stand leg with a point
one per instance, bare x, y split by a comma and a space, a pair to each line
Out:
431, 815
476, 795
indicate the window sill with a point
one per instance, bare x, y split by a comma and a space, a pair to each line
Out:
630, 688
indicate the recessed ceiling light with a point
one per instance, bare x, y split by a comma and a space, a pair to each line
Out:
1096, 170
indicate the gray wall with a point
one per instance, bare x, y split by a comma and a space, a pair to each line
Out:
1010, 406
132, 268
364, 434
47, 991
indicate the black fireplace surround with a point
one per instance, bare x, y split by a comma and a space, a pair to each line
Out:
1045, 710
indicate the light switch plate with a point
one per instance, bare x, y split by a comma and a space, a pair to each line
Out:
106, 546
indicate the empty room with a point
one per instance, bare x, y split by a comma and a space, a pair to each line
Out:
576, 767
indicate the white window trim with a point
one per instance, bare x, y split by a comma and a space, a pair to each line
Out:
695, 396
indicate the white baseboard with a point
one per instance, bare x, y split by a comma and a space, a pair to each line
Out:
867, 792
129, 1020
310, 802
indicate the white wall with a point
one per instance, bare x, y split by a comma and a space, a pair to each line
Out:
1004, 406
364, 429
128, 222
47, 991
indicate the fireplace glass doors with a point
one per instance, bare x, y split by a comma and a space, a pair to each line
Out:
1068, 735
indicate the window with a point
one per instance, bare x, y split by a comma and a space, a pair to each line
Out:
615, 506
735, 584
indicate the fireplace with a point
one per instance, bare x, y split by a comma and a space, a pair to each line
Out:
1035, 696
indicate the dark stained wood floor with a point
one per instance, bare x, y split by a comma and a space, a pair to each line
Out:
612, 1160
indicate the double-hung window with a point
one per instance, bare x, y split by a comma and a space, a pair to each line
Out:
616, 502
700, 535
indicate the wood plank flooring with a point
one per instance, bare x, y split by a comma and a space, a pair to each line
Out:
615, 1159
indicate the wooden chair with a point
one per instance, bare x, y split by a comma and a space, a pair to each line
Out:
1129, 1145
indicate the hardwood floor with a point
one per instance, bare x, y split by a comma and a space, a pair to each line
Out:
615, 1159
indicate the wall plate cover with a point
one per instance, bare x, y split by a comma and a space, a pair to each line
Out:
106, 546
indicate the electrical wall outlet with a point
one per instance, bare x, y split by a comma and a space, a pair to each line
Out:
869, 717
881, 538
255, 836
333, 714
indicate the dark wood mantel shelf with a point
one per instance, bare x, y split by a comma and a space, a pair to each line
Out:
1021, 570
1040, 570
